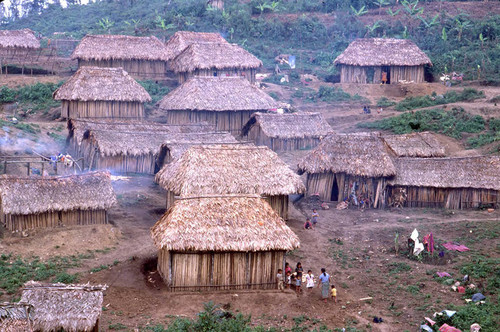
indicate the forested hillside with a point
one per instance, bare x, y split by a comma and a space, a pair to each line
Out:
458, 36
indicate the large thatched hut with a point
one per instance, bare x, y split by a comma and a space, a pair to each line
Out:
370, 60
215, 59
182, 39
61, 307
421, 145
226, 102
35, 202
17, 47
451, 183
288, 131
349, 166
15, 317
231, 169
94, 92
216, 243
141, 57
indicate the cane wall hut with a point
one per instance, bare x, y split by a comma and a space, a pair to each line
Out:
450, 183
288, 131
231, 169
367, 59
217, 243
422, 145
226, 102
15, 317
215, 59
141, 57
349, 165
182, 39
61, 307
36, 202
17, 47
94, 92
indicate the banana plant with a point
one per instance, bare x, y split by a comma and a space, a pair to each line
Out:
105, 24
412, 8
361, 11
390, 12
444, 35
373, 27
482, 39
460, 27
380, 4
431, 23
405, 33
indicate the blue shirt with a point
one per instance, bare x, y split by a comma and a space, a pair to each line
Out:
324, 278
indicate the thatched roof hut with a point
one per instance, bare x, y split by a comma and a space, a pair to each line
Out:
182, 39
143, 57
31, 202
15, 317
18, 39
94, 92
226, 102
346, 164
399, 59
422, 145
452, 183
231, 169
72, 308
224, 242
288, 131
215, 59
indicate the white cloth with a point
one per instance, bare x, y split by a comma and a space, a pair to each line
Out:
309, 280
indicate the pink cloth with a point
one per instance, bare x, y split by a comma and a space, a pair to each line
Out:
448, 328
430, 321
457, 247
443, 274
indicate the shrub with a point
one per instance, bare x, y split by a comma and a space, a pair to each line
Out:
412, 103
385, 102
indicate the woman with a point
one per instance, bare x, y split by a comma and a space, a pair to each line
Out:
324, 282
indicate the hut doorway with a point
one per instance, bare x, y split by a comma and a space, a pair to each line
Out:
335, 191
370, 75
387, 70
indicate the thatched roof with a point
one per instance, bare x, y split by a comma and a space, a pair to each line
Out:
214, 55
361, 154
217, 94
289, 125
15, 317
182, 39
59, 306
107, 47
423, 145
466, 172
383, 52
222, 224
29, 195
229, 169
103, 84
19, 38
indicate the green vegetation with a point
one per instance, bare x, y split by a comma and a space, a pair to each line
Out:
155, 90
330, 94
412, 103
31, 97
398, 267
491, 135
385, 102
30, 128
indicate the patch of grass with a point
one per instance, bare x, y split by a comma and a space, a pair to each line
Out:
412, 103
398, 267
58, 138
495, 99
274, 95
385, 102
413, 289
491, 135
66, 278
330, 94
117, 326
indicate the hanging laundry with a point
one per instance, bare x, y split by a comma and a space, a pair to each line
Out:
455, 246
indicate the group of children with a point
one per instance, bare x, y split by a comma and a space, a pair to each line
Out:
294, 280
311, 222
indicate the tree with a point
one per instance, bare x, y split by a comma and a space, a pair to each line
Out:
105, 24
460, 27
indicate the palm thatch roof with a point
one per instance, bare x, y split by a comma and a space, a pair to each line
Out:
217, 94
58, 307
229, 169
15, 317
383, 52
19, 38
182, 39
224, 223
214, 55
30, 195
289, 125
423, 145
103, 84
467, 172
119, 47
360, 154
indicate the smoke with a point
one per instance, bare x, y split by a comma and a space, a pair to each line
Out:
16, 143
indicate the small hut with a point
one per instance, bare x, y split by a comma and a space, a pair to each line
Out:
421, 145
217, 243
231, 169
377, 60
141, 57
215, 59
36, 202
182, 39
15, 317
288, 131
450, 183
17, 47
349, 166
94, 92
61, 307
226, 102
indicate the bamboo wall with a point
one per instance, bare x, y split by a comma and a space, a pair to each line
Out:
206, 271
358, 74
249, 74
170, 199
323, 183
231, 121
407, 73
279, 203
136, 68
54, 219
447, 198
71, 109
281, 144
352, 74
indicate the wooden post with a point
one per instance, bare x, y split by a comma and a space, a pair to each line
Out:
29, 168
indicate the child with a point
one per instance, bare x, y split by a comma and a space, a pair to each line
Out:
288, 279
298, 282
314, 217
279, 280
309, 280
307, 224
334, 293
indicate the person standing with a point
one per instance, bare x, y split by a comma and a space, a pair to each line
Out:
314, 217
299, 271
280, 281
324, 283
309, 280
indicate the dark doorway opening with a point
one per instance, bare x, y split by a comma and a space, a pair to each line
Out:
335, 191
387, 70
